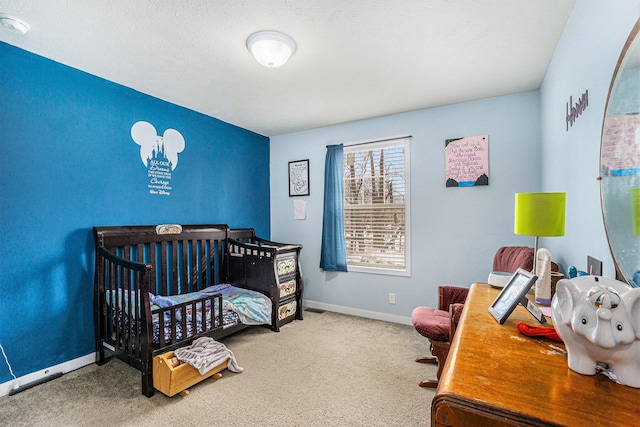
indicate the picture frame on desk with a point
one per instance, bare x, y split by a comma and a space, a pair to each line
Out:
515, 292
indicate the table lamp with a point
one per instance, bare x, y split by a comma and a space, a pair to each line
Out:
635, 205
540, 215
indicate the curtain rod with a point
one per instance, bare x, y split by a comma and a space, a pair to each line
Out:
369, 141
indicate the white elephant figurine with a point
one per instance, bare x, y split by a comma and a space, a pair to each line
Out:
598, 318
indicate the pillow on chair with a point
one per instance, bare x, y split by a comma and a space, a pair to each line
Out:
510, 258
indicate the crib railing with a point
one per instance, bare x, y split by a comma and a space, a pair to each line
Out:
122, 318
125, 320
187, 321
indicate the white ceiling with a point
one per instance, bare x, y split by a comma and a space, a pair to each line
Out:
355, 59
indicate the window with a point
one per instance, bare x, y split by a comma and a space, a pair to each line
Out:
376, 206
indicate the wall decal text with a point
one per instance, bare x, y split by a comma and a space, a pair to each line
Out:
575, 110
159, 154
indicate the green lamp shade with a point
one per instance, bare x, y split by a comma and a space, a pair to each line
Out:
635, 205
540, 214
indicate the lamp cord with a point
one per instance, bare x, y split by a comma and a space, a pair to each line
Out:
6, 359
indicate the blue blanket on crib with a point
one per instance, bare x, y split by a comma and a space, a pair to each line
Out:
252, 307
248, 307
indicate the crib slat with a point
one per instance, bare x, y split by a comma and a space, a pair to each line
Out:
164, 279
173, 336
206, 270
197, 265
184, 266
187, 285
153, 284
174, 268
215, 261
140, 254
206, 265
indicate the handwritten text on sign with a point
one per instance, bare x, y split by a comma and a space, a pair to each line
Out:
467, 161
620, 142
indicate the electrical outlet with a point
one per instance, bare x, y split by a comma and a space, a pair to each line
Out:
594, 266
392, 298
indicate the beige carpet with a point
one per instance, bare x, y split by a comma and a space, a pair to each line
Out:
329, 369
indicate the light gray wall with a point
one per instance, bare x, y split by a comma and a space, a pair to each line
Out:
455, 231
585, 59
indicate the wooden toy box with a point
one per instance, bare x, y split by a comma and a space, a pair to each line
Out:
172, 380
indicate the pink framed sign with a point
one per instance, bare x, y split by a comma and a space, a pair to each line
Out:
467, 161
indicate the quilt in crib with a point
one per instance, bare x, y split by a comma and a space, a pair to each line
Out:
239, 306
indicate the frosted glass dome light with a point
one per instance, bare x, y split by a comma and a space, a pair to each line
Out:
13, 24
271, 48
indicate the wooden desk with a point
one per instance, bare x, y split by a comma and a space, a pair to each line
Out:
495, 376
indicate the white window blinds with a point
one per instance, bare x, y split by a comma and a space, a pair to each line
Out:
376, 184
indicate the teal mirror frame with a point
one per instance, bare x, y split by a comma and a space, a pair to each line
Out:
620, 162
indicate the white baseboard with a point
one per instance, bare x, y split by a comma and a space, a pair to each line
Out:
62, 368
357, 312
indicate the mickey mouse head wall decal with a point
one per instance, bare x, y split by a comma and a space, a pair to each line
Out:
159, 154
154, 149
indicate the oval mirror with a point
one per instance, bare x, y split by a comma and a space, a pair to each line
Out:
620, 163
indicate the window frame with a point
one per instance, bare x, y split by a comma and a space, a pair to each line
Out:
377, 144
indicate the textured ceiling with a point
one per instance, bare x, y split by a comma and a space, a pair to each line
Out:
355, 59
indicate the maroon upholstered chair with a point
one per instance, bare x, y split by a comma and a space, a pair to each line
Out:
438, 326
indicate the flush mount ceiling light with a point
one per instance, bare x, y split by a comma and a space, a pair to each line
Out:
271, 48
13, 24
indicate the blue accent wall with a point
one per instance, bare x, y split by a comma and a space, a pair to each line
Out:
69, 163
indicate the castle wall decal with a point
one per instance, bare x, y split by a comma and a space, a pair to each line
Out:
159, 154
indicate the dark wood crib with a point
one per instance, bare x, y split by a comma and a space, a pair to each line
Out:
134, 264
268, 267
